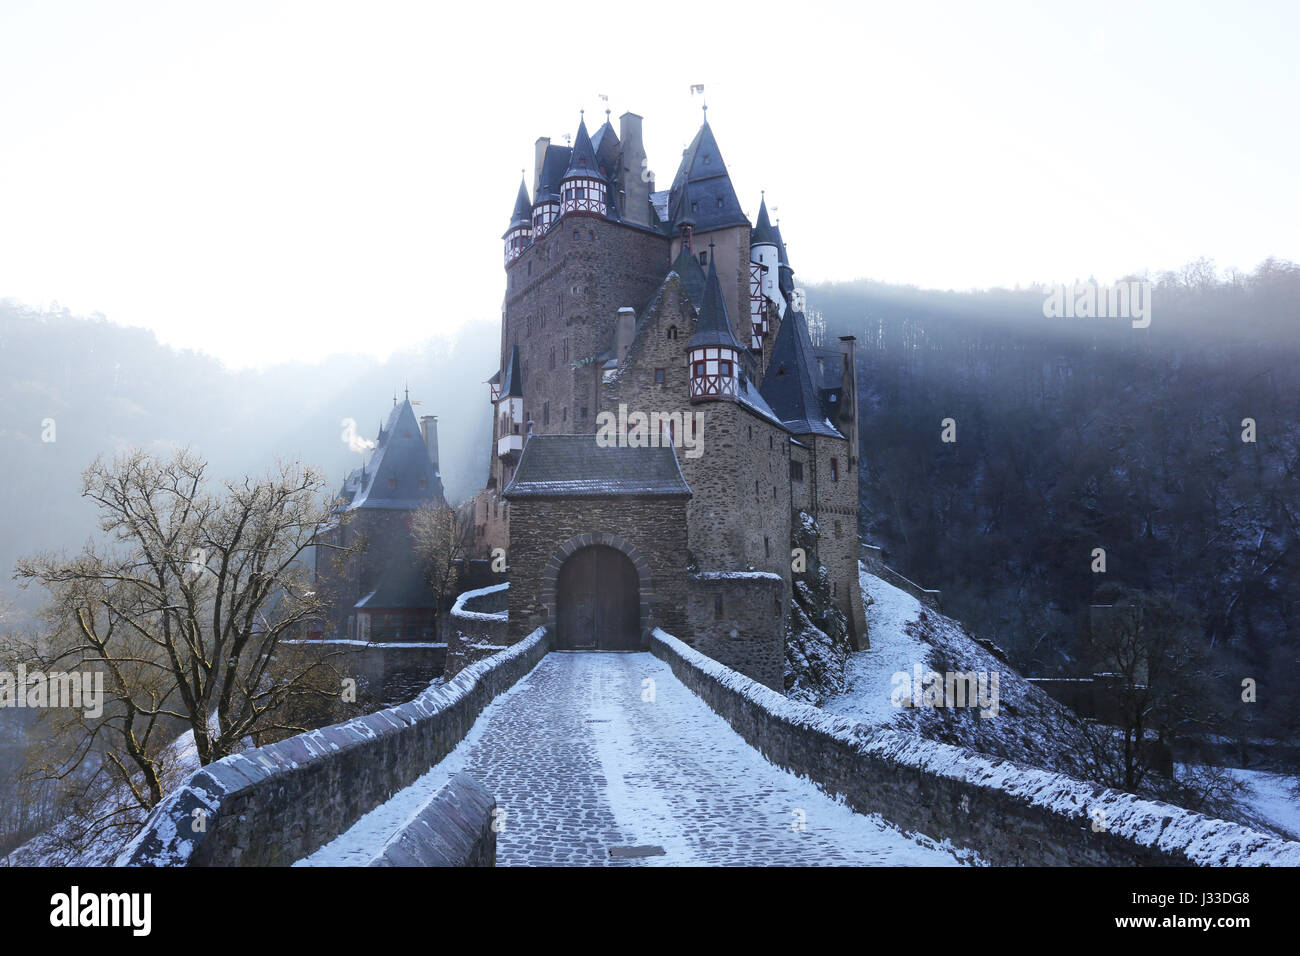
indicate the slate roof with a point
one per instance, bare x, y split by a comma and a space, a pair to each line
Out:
763, 231
576, 466
402, 459
583, 158
514, 383
713, 326
554, 162
792, 386
401, 587
606, 145
523, 211
693, 278
702, 188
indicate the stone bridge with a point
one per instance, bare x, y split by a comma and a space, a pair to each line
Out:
534, 757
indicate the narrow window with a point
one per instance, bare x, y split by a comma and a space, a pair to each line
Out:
717, 606
835, 469
704, 258
659, 376
546, 413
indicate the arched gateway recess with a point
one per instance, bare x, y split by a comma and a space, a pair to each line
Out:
597, 601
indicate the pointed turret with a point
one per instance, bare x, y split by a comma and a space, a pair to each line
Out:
606, 147
400, 474
552, 161
510, 410
764, 274
693, 278
519, 236
583, 190
713, 349
792, 386
702, 188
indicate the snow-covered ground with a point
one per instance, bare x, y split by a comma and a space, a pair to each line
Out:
894, 647
593, 751
1029, 726
1269, 797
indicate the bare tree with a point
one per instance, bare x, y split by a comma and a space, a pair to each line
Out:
1159, 689
442, 537
181, 611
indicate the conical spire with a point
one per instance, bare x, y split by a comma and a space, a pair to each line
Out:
763, 232
523, 212
713, 326
583, 158
513, 386
688, 270
791, 384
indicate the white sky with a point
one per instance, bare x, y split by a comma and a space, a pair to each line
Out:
267, 181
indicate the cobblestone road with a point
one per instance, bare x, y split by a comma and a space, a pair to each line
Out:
597, 751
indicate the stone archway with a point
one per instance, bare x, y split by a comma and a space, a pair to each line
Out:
626, 579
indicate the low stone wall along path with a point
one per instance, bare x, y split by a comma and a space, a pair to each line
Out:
601, 759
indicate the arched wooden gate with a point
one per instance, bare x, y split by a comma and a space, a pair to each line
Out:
598, 601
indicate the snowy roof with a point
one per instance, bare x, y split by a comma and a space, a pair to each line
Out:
399, 474
578, 466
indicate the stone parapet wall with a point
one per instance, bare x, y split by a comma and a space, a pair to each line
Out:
1009, 814
871, 557
277, 804
454, 828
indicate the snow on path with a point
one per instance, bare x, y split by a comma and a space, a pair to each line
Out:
868, 684
579, 762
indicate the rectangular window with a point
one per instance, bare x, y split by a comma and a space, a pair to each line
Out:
659, 376
717, 606
704, 258
796, 471
546, 413
835, 469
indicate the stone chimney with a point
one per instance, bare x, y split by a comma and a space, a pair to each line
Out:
634, 187
539, 156
624, 330
429, 430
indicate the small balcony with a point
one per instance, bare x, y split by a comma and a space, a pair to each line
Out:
509, 446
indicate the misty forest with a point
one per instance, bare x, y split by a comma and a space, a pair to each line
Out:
1072, 434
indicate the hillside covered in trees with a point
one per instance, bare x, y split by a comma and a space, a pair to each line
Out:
1085, 433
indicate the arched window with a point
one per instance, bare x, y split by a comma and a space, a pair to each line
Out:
672, 332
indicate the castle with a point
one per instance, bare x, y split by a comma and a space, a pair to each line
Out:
665, 434
380, 594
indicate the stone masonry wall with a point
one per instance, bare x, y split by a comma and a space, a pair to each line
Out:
739, 621
655, 527
277, 804
1009, 814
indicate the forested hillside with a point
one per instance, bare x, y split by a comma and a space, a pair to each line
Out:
107, 387
1075, 434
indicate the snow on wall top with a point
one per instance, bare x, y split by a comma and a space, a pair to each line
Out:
458, 609
1202, 840
161, 842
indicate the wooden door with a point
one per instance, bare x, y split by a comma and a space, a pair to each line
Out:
598, 604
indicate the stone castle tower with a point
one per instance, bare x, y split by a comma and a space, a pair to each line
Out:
665, 432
